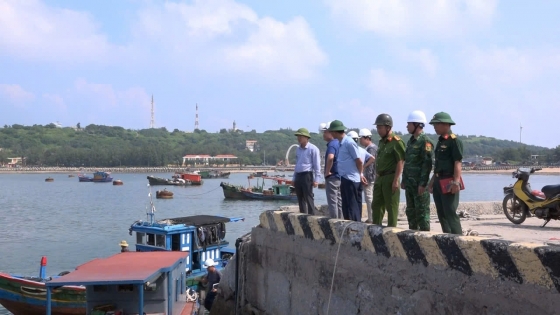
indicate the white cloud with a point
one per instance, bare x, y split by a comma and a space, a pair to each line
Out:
31, 30
511, 66
218, 35
15, 93
55, 99
423, 57
388, 84
426, 18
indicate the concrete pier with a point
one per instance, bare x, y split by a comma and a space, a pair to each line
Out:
287, 264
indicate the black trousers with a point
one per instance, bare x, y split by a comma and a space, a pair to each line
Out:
303, 185
351, 193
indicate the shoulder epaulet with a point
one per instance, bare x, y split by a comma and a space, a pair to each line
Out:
453, 136
397, 138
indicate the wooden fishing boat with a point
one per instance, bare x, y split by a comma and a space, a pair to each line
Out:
49, 179
213, 174
118, 182
277, 192
27, 295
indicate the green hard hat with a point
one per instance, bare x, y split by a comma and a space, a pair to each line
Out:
337, 125
302, 132
384, 120
442, 117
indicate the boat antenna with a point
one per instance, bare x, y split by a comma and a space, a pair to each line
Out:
150, 213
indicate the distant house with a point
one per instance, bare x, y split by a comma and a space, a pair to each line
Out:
206, 159
250, 145
487, 161
14, 161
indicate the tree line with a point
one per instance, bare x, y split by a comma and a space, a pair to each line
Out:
107, 146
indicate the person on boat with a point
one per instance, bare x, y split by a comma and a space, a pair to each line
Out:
213, 277
124, 246
307, 171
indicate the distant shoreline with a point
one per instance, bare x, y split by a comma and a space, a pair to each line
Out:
147, 170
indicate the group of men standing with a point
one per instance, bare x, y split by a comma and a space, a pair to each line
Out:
375, 171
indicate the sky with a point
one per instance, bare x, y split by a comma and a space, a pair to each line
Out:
494, 66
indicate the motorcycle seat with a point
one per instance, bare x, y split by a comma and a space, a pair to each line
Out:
551, 190
538, 194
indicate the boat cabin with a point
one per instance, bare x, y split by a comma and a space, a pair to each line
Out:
203, 236
281, 189
131, 283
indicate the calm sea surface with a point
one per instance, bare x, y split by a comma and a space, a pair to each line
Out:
72, 222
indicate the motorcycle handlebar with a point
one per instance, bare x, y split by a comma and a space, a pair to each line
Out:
534, 169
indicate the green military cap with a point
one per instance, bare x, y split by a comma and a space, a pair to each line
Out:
442, 117
302, 132
336, 125
384, 120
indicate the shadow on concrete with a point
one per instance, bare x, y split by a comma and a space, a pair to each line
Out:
521, 226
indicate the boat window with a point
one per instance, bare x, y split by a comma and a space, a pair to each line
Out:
100, 288
125, 288
176, 242
150, 287
151, 239
140, 237
160, 240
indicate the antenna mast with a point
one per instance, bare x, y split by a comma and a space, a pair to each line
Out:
196, 118
152, 121
520, 129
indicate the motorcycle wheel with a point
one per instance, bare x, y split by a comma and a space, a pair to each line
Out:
514, 209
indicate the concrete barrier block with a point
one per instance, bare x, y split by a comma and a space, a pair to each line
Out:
474, 252
393, 243
529, 264
429, 247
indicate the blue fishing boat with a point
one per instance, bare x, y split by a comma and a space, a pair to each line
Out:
131, 283
102, 177
203, 236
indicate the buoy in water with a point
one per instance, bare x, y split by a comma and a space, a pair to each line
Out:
117, 182
49, 179
164, 194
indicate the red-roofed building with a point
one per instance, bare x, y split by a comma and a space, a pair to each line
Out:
206, 159
131, 282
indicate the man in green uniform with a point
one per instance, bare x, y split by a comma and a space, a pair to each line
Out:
388, 165
416, 173
448, 160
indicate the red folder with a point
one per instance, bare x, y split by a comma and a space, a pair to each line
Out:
445, 184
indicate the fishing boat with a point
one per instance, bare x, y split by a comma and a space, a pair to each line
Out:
131, 283
276, 192
102, 177
202, 236
49, 179
27, 295
258, 174
154, 181
83, 178
213, 174
236, 191
195, 178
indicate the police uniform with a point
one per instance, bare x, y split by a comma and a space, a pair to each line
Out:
390, 151
449, 150
416, 173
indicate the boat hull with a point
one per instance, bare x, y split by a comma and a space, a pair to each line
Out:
85, 179
261, 196
155, 181
232, 192
27, 297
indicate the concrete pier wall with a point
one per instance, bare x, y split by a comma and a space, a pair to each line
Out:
288, 260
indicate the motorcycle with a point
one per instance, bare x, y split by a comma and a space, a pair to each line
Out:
521, 201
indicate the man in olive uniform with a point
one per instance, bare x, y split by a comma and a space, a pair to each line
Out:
416, 173
448, 160
388, 165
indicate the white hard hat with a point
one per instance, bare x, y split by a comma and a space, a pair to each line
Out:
352, 134
417, 116
210, 262
323, 127
364, 132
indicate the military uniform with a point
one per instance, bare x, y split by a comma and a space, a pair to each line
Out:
390, 151
416, 173
449, 149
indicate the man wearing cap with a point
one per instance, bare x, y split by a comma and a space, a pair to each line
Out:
448, 162
416, 173
332, 179
124, 246
307, 171
350, 169
213, 277
389, 165
369, 171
